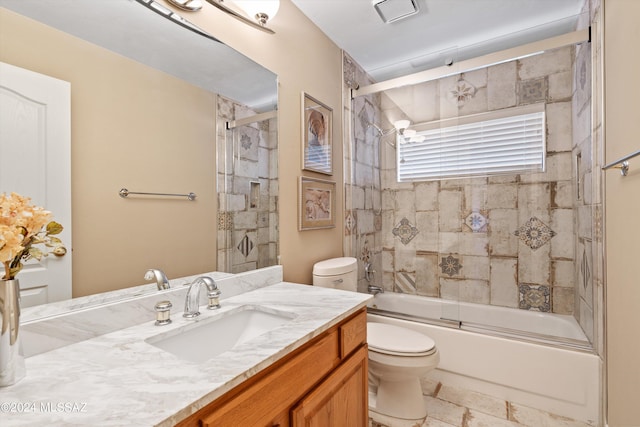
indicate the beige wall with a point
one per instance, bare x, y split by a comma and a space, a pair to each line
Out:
304, 60
622, 204
105, 157
132, 127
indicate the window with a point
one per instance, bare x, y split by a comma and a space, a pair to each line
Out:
504, 141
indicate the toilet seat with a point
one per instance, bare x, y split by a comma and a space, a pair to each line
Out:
398, 341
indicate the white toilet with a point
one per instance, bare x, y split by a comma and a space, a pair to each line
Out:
398, 357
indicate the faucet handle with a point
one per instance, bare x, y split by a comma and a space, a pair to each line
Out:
163, 312
368, 271
214, 299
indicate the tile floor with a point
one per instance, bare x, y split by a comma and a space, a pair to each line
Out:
455, 407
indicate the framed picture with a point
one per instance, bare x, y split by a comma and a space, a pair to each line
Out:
317, 204
317, 150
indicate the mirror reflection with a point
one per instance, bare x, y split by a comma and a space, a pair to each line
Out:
149, 106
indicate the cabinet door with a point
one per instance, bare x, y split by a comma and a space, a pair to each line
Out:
340, 400
281, 420
269, 395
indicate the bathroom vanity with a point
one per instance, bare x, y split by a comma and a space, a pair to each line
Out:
300, 367
322, 383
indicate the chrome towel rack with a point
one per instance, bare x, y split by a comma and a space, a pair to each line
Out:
622, 163
124, 193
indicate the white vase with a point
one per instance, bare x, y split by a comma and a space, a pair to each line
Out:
12, 367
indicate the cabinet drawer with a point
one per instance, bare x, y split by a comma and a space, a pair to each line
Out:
353, 333
278, 389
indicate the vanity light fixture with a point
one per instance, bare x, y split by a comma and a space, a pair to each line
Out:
188, 5
170, 14
260, 12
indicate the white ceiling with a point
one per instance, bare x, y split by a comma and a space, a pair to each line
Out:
441, 30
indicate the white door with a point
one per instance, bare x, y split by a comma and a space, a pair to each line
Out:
35, 161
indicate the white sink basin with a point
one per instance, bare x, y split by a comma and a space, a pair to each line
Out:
209, 337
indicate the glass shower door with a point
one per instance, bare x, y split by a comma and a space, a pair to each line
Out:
248, 194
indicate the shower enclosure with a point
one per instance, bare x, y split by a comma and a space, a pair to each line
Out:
247, 188
458, 225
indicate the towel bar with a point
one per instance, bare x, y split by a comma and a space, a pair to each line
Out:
622, 163
124, 193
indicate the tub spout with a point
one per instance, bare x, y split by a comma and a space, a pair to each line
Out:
159, 276
372, 289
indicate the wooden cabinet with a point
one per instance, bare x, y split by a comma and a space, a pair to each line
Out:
340, 400
323, 383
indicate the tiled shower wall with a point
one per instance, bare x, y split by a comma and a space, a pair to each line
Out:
247, 191
362, 175
590, 150
511, 240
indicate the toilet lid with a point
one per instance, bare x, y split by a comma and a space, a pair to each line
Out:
335, 266
396, 340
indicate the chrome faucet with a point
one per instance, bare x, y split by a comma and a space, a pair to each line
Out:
373, 289
368, 274
193, 296
159, 276
368, 271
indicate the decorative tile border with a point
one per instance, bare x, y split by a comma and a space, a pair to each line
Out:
377, 221
365, 254
225, 220
535, 233
350, 222
462, 92
477, 221
405, 231
245, 246
534, 297
450, 265
585, 269
405, 283
246, 141
531, 91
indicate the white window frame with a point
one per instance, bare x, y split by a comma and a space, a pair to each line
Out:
461, 160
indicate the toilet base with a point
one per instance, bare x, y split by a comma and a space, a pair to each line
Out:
387, 420
400, 399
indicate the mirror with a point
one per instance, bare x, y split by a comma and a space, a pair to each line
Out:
150, 98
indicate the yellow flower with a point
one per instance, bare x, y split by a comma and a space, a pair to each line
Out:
23, 225
9, 243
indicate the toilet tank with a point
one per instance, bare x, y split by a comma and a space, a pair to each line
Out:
338, 273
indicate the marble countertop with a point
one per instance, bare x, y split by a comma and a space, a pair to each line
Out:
119, 379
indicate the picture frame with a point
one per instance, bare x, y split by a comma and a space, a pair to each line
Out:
317, 142
316, 204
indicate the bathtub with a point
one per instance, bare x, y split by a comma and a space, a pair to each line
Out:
533, 359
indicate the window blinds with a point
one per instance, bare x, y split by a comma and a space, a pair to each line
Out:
510, 141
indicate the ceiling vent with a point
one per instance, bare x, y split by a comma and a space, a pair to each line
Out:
394, 10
